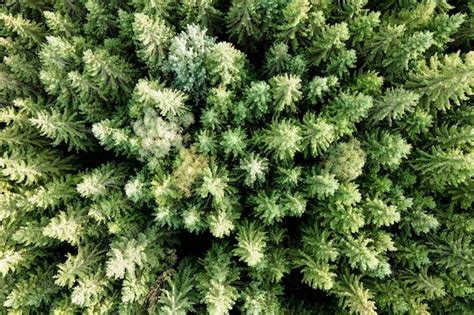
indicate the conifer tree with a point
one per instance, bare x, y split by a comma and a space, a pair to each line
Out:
445, 81
243, 20
153, 36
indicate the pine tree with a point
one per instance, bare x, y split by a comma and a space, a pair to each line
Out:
254, 168
177, 297
226, 65
329, 41
186, 59
444, 82
354, 296
251, 244
215, 282
286, 92
22, 27
387, 149
282, 140
202, 13
28, 167
439, 167
242, 20
318, 134
152, 36
110, 74
62, 127
393, 105
295, 15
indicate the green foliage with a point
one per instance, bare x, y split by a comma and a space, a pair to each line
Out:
316, 275
100, 20
226, 65
445, 82
393, 105
314, 259
22, 27
262, 299
387, 149
282, 139
177, 297
234, 142
295, 15
318, 134
257, 98
124, 257
319, 86
329, 42
109, 74
254, 168
236, 157
444, 167
60, 24
78, 266
354, 297
286, 92
322, 186
381, 214
99, 182
251, 244
62, 127
214, 184
345, 160
243, 20
30, 167
216, 281
186, 59
346, 110
153, 37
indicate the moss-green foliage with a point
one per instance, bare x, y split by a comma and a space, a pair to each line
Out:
236, 157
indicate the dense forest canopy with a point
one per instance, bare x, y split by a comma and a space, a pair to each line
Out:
236, 157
